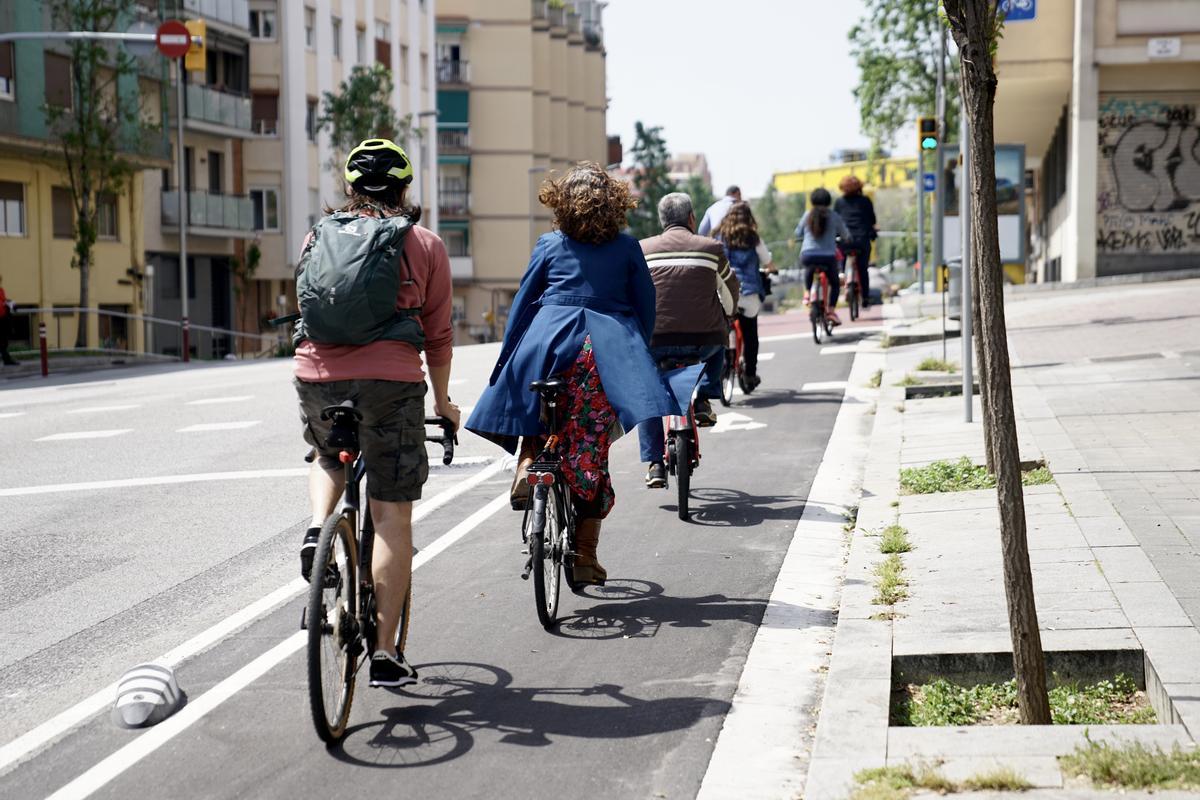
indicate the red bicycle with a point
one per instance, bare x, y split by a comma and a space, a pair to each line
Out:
819, 310
735, 365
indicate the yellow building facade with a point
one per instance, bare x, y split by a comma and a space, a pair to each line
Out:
884, 173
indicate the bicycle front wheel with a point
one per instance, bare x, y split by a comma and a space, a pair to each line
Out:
728, 377
683, 477
546, 552
818, 326
334, 638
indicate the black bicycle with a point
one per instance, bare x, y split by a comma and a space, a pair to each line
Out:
548, 527
340, 615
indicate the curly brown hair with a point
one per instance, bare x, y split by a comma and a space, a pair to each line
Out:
738, 230
589, 204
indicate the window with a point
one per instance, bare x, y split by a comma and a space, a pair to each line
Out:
114, 331
457, 243
360, 45
106, 216
58, 80
383, 30
216, 171
264, 111
314, 206
310, 120
7, 71
62, 213
404, 63
12, 209
310, 28
383, 43
262, 23
336, 24
266, 209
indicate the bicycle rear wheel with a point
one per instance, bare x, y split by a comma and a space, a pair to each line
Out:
683, 472
334, 638
728, 377
815, 315
546, 551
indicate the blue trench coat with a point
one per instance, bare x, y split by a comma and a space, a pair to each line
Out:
571, 290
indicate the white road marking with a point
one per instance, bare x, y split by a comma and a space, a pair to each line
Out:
1171, 354
62, 437
111, 767
160, 480
102, 409
29, 742
733, 421
839, 349
765, 356
219, 426
208, 401
7, 414
785, 337
823, 386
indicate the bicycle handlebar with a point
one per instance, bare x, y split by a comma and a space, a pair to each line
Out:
448, 438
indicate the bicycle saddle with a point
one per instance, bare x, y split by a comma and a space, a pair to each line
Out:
549, 386
345, 407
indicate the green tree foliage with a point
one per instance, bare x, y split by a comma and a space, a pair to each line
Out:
651, 179
101, 131
777, 215
896, 45
700, 192
361, 108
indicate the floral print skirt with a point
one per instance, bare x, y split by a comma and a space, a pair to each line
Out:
587, 435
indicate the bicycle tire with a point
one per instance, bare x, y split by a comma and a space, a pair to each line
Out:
729, 376
546, 568
683, 477
327, 639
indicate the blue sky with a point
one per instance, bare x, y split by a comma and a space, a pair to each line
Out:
760, 86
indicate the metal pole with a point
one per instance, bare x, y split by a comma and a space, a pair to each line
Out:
45, 356
181, 154
964, 216
939, 190
921, 266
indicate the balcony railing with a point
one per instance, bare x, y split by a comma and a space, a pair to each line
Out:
206, 104
231, 12
453, 71
539, 9
557, 16
454, 202
456, 140
573, 22
209, 210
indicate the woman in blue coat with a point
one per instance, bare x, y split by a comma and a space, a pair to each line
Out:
585, 313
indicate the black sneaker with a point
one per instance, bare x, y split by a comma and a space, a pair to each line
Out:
656, 476
705, 416
389, 671
308, 550
754, 381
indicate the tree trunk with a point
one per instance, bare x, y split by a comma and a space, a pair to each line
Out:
973, 23
81, 333
981, 372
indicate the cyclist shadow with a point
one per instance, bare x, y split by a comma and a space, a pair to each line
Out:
769, 398
730, 508
456, 699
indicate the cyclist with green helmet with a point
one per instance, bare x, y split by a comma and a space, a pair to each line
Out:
385, 380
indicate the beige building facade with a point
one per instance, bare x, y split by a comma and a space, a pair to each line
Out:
521, 94
1105, 97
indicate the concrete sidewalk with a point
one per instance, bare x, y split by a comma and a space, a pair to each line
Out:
1108, 395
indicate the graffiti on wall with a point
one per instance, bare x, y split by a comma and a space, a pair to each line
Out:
1148, 197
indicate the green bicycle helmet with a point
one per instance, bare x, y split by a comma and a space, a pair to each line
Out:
377, 165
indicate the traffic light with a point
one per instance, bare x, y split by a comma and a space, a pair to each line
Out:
195, 60
927, 133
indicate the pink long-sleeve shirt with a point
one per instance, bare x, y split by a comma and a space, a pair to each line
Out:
387, 359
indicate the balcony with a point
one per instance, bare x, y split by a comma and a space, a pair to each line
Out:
454, 140
227, 215
454, 202
557, 16
539, 9
218, 112
573, 22
453, 71
234, 13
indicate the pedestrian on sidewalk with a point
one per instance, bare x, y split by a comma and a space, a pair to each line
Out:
584, 314
858, 212
6, 325
749, 258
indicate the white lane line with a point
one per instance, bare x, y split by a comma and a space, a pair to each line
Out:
62, 437
205, 427
785, 337
765, 356
111, 767
839, 349
823, 386
8, 414
161, 480
29, 742
102, 409
208, 401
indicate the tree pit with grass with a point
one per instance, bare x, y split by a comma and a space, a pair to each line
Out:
961, 476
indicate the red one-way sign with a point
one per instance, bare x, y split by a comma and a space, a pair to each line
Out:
173, 39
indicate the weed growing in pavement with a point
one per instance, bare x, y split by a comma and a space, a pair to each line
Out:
894, 539
875, 379
890, 584
940, 702
893, 783
936, 365
1134, 766
886, 341
1001, 779
908, 380
961, 476
851, 515
895, 504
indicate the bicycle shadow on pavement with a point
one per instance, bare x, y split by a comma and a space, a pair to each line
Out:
769, 398
731, 508
454, 700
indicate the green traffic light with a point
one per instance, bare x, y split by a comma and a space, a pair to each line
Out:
929, 143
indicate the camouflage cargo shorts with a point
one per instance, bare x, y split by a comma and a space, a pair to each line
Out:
391, 434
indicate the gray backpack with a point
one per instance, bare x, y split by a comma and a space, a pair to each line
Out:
348, 279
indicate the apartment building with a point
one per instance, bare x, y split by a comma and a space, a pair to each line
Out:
521, 93
684, 166
1105, 97
256, 170
36, 212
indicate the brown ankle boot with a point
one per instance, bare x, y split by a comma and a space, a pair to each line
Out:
587, 569
519, 494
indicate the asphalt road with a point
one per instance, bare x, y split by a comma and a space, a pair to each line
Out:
126, 539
